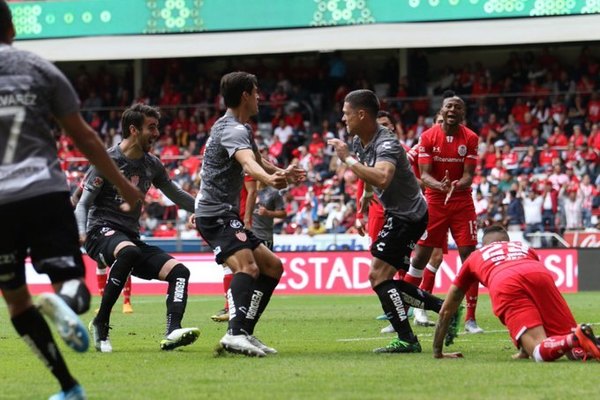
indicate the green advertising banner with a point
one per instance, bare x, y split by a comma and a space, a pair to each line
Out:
72, 18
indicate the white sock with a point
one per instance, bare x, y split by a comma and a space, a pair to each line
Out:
431, 268
536, 354
417, 273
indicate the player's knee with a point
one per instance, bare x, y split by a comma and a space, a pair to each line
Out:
178, 273
127, 258
275, 269
76, 294
250, 268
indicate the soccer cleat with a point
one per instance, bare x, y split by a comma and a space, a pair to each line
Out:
400, 346
99, 333
75, 393
258, 343
472, 327
382, 317
587, 340
179, 337
240, 344
127, 308
69, 326
221, 316
388, 329
421, 318
454, 326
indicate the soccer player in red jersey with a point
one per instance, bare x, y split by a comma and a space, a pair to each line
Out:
447, 160
247, 203
524, 298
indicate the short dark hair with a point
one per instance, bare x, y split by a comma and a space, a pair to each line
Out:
495, 229
386, 114
5, 21
363, 99
135, 114
234, 84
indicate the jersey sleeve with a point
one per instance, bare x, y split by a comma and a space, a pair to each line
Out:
472, 144
92, 181
466, 277
236, 138
424, 154
63, 98
160, 176
387, 149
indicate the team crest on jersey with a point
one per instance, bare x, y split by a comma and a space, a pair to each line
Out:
235, 224
242, 237
97, 182
462, 150
106, 231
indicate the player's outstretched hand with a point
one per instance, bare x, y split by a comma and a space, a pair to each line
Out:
191, 222
278, 180
132, 195
448, 355
360, 226
295, 174
340, 147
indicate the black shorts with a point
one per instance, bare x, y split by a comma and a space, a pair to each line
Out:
397, 239
102, 242
44, 228
226, 235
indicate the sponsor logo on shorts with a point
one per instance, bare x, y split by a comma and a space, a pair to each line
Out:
217, 250
462, 150
106, 231
235, 224
242, 237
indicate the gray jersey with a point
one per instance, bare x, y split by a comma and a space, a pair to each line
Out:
222, 176
402, 197
100, 201
31, 90
262, 225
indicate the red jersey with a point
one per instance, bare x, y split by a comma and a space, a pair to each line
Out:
448, 153
496, 261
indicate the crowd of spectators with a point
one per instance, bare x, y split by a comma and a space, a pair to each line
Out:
537, 117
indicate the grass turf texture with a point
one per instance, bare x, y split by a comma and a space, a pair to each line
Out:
325, 346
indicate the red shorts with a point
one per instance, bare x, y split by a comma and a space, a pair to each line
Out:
459, 217
524, 301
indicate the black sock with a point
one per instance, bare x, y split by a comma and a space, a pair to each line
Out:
393, 306
263, 289
119, 272
238, 298
418, 298
34, 330
76, 294
177, 295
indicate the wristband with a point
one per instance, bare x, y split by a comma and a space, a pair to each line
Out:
350, 161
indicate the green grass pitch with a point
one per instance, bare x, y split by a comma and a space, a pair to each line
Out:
324, 345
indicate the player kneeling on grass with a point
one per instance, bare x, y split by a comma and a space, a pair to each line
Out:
111, 235
524, 298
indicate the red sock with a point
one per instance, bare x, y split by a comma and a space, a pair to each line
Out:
554, 347
101, 275
472, 301
413, 280
127, 291
226, 283
428, 279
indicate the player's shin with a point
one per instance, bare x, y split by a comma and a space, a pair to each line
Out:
34, 330
261, 295
471, 300
238, 298
428, 278
553, 348
392, 304
418, 298
177, 296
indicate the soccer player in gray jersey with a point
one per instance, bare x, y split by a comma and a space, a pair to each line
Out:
35, 210
269, 205
383, 166
231, 151
111, 236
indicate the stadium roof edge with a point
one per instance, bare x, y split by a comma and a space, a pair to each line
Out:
580, 28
